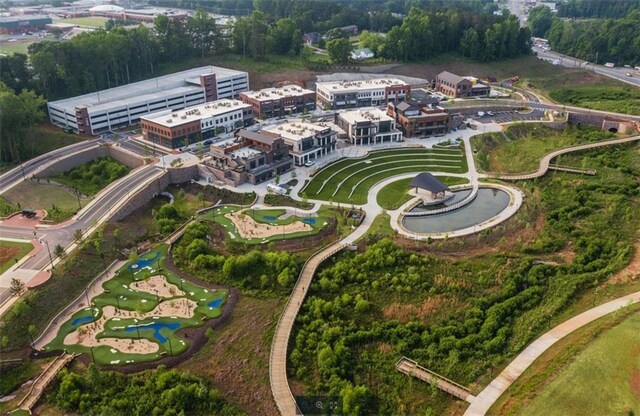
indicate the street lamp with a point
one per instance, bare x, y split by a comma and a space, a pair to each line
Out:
181, 282
49, 251
137, 327
170, 347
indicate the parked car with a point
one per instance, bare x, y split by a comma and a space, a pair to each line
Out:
480, 113
629, 74
490, 113
207, 142
310, 163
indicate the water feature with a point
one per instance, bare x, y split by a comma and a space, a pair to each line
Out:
309, 221
156, 326
81, 320
215, 303
488, 203
144, 262
269, 218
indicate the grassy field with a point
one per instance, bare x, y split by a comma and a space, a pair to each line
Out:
85, 21
285, 201
91, 177
11, 252
604, 378
118, 295
395, 194
349, 180
520, 147
616, 99
59, 202
268, 216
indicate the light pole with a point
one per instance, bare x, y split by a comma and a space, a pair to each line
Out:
49, 251
86, 293
170, 347
181, 282
137, 327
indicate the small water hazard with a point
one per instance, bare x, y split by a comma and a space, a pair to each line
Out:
156, 326
215, 303
144, 262
82, 320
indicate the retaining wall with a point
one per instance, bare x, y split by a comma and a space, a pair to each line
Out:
66, 163
140, 199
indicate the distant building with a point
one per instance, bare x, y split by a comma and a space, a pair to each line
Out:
307, 141
365, 93
361, 54
249, 158
311, 38
368, 126
350, 30
25, 23
146, 15
175, 129
423, 98
460, 87
275, 102
417, 121
121, 106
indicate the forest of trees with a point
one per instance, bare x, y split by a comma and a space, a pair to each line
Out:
358, 320
18, 115
160, 392
613, 40
597, 8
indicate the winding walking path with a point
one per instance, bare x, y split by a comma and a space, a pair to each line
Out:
487, 397
546, 159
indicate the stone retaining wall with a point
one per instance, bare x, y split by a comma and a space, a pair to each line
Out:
74, 160
140, 199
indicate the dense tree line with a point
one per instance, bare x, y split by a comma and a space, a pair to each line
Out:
101, 59
597, 8
160, 392
426, 34
345, 343
19, 112
257, 35
616, 41
254, 270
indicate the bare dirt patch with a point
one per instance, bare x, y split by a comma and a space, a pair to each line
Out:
247, 227
7, 253
157, 285
629, 273
429, 308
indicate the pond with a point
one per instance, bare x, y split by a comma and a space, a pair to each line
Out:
215, 303
488, 203
156, 326
82, 320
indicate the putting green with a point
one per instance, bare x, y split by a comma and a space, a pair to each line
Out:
136, 318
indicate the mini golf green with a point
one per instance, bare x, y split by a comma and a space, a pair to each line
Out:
143, 304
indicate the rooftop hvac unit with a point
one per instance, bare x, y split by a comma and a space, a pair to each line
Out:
183, 117
169, 120
174, 115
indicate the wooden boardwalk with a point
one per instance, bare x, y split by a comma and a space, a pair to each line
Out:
40, 385
408, 366
546, 159
570, 169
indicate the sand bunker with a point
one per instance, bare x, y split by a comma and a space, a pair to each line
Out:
86, 334
248, 228
157, 284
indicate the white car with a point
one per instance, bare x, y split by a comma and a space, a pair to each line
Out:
310, 163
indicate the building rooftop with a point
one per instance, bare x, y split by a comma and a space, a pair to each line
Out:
263, 136
170, 118
427, 181
268, 94
11, 19
360, 85
365, 114
157, 12
296, 130
449, 77
134, 90
245, 153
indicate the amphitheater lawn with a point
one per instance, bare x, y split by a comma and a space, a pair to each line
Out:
395, 194
349, 180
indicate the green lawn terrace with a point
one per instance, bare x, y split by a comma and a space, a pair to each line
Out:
349, 180
137, 317
261, 226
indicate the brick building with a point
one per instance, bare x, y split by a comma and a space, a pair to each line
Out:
414, 121
250, 157
276, 102
460, 87
175, 129
366, 93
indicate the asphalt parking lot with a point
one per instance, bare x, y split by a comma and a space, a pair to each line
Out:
510, 116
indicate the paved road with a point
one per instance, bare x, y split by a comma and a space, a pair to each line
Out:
571, 62
99, 209
546, 159
27, 168
487, 397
